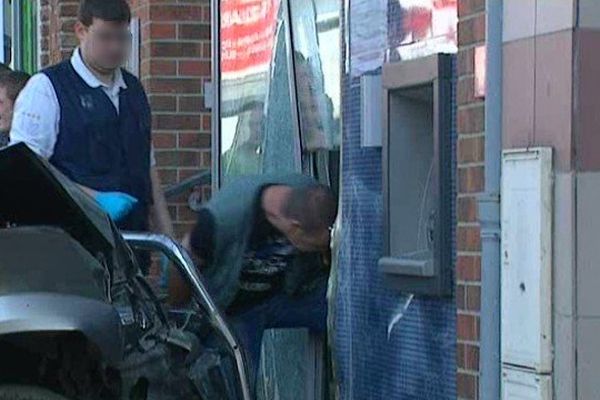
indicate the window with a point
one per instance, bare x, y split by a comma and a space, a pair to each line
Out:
20, 41
258, 134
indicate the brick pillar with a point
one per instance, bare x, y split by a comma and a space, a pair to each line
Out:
471, 34
58, 39
175, 63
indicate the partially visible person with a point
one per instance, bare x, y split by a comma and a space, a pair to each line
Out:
11, 84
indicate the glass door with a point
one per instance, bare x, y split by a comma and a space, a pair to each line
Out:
278, 102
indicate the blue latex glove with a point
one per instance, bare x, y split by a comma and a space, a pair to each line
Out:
116, 204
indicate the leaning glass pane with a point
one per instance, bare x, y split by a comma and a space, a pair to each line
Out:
316, 36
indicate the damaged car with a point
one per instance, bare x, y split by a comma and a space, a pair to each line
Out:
78, 320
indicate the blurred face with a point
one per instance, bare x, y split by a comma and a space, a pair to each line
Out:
105, 45
6, 110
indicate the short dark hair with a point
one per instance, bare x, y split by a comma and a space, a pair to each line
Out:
314, 207
106, 10
14, 82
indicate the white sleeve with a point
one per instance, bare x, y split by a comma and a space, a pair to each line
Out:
36, 116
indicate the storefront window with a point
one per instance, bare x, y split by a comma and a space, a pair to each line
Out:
279, 92
20, 41
258, 133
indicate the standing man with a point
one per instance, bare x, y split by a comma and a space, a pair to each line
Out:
91, 119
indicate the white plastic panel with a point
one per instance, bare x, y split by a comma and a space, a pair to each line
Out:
371, 105
526, 322
521, 385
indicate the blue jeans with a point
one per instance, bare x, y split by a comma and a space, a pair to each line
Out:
279, 312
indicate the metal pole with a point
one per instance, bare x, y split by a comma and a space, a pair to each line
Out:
489, 210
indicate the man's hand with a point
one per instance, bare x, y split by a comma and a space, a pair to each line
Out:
116, 204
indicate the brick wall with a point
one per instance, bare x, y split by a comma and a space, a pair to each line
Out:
471, 34
57, 18
175, 63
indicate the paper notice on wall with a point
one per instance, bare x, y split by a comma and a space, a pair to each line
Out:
426, 27
369, 35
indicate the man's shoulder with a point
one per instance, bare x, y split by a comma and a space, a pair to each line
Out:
53, 69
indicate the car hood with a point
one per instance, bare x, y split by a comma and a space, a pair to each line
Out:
33, 193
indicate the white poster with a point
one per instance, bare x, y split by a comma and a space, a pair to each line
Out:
368, 28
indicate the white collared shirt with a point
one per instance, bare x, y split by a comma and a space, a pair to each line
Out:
36, 117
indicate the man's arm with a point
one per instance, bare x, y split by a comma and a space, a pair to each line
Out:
200, 244
36, 116
179, 289
159, 213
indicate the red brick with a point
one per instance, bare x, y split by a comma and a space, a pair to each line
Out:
175, 85
467, 209
469, 7
177, 158
163, 67
185, 214
473, 297
206, 14
466, 62
167, 176
206, 122
206, 159
468, 239
163, 103
471, 150
194, 140
176, 49
465, 91
164, 140
194, 31
471, 358
461, 297
188, 173
177, 122
471, 120
176, 13
471, 180
472, 30
460, 356
468, 268
68, 10
466, 386
162, 31
194, 68
467, 327
206, 51
191, 103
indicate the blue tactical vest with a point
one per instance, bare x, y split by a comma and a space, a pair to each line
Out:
100, 148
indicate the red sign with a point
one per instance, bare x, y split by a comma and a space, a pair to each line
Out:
247, 36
